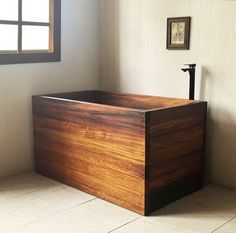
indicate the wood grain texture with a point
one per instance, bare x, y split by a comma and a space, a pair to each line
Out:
131, 150
176, 153
97, 149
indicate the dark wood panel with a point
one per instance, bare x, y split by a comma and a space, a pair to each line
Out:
99, 150
174, 119
176, 150
95, 133
110, 159
121, 120
185, 186
173, 145
172, 171
130, 150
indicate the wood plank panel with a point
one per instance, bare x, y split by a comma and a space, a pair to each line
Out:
176, 150
93, 145
173, 145
87, 147
93, 138
121, 120
170, 172
87, 153
174, 119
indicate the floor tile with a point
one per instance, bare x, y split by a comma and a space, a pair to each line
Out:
97, 216
201, 212
34, 204
215, 199
228, 228
23, 184
143, 226
35, 228
39, 198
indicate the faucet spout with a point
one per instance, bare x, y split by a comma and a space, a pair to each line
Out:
185, 69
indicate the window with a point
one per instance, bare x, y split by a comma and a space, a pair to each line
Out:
30, 31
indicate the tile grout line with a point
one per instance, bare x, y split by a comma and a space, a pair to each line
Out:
124, 224
224, 224
59, 212
94, 198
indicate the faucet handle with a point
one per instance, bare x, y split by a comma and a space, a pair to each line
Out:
191, 65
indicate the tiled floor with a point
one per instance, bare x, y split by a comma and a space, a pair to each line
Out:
34, 204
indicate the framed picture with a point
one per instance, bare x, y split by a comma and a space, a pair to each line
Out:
178, 33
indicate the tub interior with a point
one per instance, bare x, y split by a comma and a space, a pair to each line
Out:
140, 102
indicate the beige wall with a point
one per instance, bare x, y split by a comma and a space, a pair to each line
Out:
78, 70
134, 59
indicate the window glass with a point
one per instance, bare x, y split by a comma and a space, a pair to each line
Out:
9, 10
8, 38
35, 10
35, 38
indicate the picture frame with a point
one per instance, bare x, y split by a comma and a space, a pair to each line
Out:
178, 33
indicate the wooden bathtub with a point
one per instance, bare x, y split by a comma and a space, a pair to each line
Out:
139, 152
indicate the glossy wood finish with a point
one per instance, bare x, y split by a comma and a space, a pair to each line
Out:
139, 152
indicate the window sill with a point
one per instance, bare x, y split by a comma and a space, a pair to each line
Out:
29, 58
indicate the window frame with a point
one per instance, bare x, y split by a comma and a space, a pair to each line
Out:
36, 56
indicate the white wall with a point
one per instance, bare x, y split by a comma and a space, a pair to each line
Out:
134, 59
78, 70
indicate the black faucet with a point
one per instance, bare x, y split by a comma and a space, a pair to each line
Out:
191, 69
